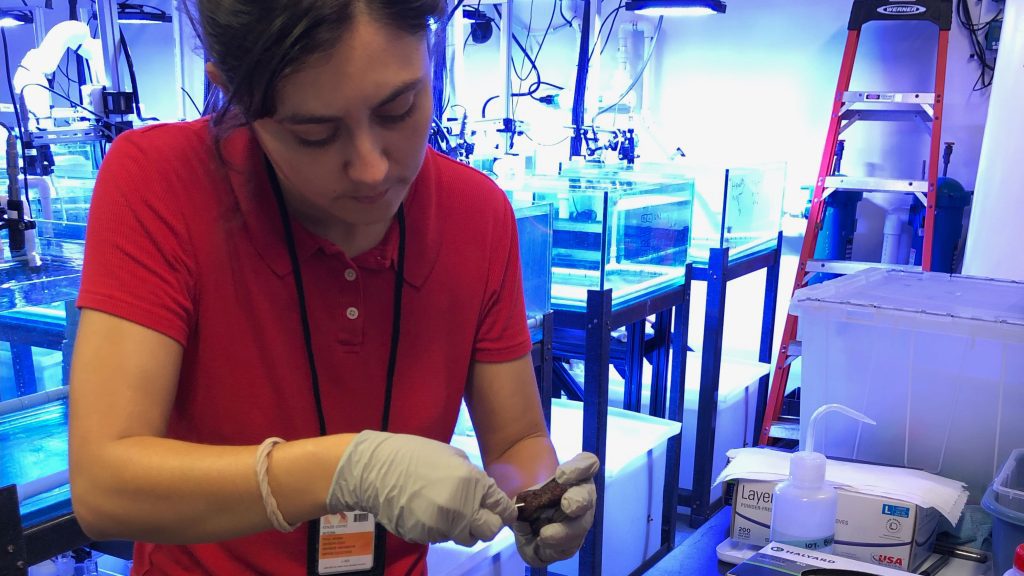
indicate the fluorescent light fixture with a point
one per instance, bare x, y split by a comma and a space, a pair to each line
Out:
12, 18
676, 7
141, 14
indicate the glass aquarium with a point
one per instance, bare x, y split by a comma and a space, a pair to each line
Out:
533, 223
621, 234
739, 207
37, 295
34, 444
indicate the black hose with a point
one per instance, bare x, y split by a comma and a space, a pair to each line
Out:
580, 93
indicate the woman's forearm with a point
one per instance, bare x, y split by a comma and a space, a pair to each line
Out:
166, 491
527, 463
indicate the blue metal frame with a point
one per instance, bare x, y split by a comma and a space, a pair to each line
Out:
718, 272
671, 311
543, 365
23, 334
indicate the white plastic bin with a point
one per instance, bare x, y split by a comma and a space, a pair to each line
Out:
734, 423
936, 360
634, 487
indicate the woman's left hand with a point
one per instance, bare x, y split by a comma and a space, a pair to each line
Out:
560, 540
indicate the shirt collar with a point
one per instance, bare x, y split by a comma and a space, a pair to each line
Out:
245, 165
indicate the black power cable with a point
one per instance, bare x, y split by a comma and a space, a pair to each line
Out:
194, 105
544, 37
568, 22
976, 32
613, 16
135, 82
579, 95
99, 117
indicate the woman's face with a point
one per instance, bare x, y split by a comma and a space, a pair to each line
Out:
350, 131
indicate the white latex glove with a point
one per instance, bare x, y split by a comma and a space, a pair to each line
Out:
421, 490
561, 539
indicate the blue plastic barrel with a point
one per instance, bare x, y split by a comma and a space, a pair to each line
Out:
951, 201
838, 225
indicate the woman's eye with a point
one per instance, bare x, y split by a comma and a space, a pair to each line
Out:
397, 111
317, 139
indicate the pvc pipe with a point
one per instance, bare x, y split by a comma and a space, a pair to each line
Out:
41, 485
32, 400
993, 241
893, 229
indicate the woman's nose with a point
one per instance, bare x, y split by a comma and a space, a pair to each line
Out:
367, 163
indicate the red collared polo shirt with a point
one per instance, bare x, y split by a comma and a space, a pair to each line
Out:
189, 243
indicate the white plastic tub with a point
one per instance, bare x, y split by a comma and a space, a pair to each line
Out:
635, 480
734, 423
936, 360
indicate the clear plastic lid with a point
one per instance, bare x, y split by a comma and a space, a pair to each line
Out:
933, 293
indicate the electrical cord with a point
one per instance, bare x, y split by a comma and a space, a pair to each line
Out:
613, 16
134, 80
579, 94
63, 72
98, 116
194, 105
451, 13
534, 88
568, 21
543, 145
529, 31
975, 31
544, 37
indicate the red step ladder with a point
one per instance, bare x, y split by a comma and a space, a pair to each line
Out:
847, 109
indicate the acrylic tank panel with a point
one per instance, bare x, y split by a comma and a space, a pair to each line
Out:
34, 444
36, 303
629, 236
533, 224
737, 207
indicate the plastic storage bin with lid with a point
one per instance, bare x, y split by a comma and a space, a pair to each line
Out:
1004, 500
734, 206
936, 360
634, 487
629, 236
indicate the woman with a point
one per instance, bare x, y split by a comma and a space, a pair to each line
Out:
302, 267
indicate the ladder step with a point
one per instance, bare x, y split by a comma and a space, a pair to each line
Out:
794, 351
863, 184
889, 97
785, 430
885, 115
850, 266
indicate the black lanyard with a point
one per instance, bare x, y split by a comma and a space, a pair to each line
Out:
396, 325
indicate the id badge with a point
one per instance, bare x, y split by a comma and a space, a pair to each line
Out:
348, 543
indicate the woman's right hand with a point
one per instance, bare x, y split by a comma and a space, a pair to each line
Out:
421, 490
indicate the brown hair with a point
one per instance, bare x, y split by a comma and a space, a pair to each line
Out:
256, 44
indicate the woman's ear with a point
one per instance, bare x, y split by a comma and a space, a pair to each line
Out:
215, 76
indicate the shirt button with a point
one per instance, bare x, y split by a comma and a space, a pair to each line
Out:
352, 313
350, 275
